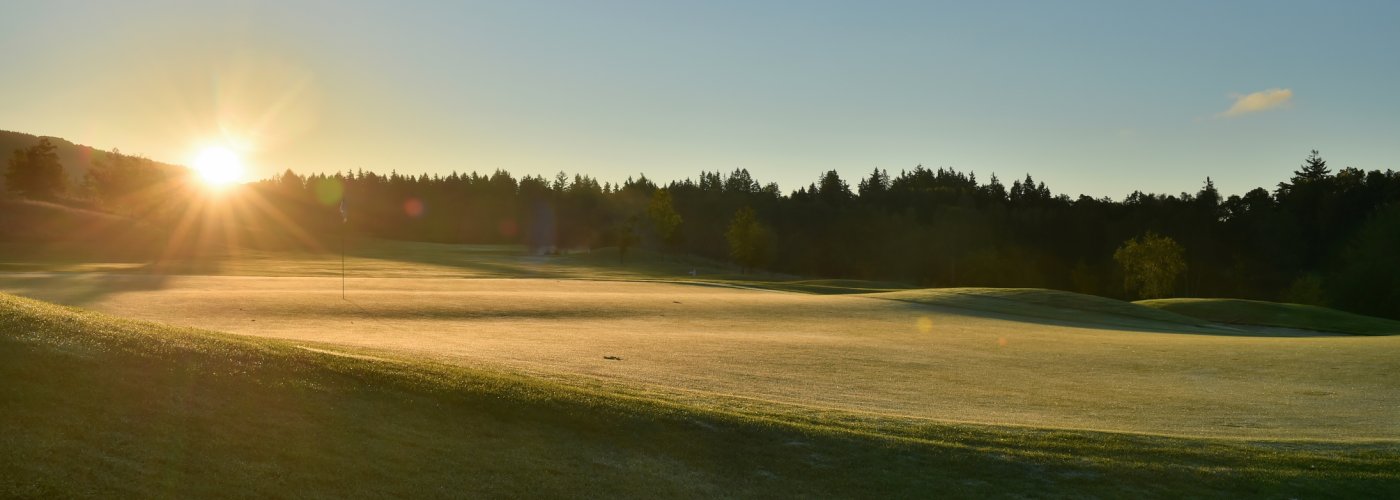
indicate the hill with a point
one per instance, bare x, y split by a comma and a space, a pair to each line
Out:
77, 159
1276, 315
1054, 305
129, 408
37, 232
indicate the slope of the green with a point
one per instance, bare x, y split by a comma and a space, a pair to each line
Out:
1041, 303
99, 406
800, 353
816, 287
1275, 314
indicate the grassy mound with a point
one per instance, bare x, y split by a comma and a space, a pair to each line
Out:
95, 405
1040, 303
817, 287
1275, 314
41, 230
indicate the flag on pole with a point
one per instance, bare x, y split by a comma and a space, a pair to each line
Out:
344, 218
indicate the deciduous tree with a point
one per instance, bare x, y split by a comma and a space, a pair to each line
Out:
36, 172
1150, 264
125, 183
626, 237
749, 242
663, 215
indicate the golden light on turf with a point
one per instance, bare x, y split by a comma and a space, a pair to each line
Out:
218, 166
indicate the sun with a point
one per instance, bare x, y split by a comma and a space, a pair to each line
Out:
218, 166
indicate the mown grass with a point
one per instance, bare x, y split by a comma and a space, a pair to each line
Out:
818, 287
376, 258
713, 346
94, 405
1275, 314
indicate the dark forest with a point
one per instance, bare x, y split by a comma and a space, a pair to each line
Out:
1320, 237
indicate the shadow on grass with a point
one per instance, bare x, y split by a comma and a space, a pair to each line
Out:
434, 312
1256, 313
1023, 312
80, 289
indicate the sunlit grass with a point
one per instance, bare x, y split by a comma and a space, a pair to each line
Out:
794, 353
99, 404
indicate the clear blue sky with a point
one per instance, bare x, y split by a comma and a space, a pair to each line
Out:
1091, 97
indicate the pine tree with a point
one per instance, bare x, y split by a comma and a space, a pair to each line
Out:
1208, 199
875, 185
833, 189
1314, 170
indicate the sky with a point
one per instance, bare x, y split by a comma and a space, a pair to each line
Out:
1099, 98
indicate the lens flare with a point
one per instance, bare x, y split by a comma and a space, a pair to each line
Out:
218, 166
413, 207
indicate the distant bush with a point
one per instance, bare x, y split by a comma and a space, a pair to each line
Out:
1307, 289
1150, 265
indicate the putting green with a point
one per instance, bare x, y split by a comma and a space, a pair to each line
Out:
1275, 315
852, 356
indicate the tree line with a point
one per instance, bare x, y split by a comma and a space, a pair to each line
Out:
1320, 237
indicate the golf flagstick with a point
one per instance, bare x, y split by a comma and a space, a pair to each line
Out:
344, 221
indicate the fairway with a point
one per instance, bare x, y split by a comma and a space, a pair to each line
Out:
855, 356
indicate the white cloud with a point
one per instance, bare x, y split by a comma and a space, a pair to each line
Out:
1263, 100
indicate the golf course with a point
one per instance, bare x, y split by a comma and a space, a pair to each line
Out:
435, 361
710, 250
